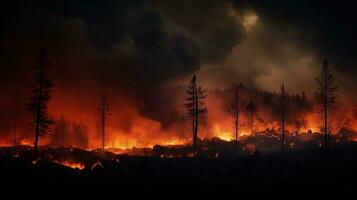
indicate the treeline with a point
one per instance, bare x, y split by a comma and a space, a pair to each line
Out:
267, 102
281, 107
284, 107
67, 133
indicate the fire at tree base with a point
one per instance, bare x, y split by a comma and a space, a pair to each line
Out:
215, 165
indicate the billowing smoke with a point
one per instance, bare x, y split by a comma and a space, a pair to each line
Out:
141, 53
131, 50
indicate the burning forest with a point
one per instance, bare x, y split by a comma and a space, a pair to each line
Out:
201, 92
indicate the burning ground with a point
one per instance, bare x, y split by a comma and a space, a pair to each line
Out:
67, 167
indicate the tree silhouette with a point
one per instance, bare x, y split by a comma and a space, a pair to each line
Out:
15, 132
234, 111
326, 94
41, 95
195, 106
251, 109
282, 103
103, 111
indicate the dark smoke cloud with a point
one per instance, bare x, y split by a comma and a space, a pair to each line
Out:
132, 47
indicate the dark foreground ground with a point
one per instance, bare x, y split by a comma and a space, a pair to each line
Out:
299, 170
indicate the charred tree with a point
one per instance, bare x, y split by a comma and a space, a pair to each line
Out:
15, 132
326, 94
195, 106
251, 109
282, 103
103, 111
40, 96
234, 111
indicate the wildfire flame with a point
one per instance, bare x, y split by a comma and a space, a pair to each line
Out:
73, 165
144, 132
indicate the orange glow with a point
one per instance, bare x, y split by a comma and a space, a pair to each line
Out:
73, 165
20, 141
128, 129
221, 134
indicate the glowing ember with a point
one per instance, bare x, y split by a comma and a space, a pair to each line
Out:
73, 165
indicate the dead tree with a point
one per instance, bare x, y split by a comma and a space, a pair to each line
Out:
103, 111
234, 111
282, 103
41, 95
15, 132
195, 106
326, 94
251, 109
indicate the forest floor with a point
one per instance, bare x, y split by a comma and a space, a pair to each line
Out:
305, 168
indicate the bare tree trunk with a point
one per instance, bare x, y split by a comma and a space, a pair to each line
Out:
38, 116
326, 94
236, 125
282, 116
325, 107
193, 118
104, 107
196, 107
103, 130
251, 123
196, 117
236, 117
15, 130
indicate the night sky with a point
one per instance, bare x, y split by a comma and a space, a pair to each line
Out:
139, 52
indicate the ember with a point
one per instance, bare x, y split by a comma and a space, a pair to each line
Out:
72, 165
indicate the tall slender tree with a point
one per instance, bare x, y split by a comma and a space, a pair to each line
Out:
195, 106
15, 132
326, 95
41, 95
282, 103
251, 109
103, 111
234, 111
